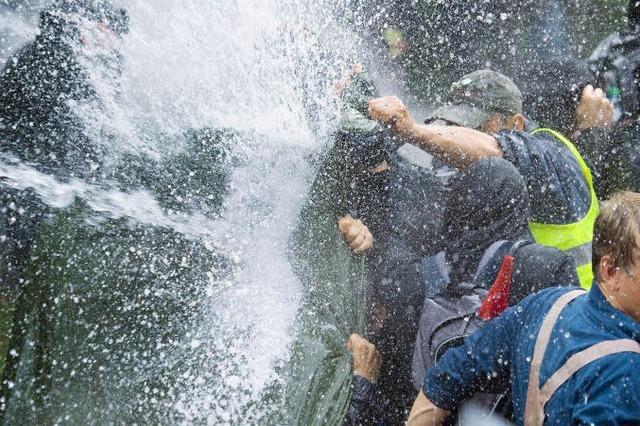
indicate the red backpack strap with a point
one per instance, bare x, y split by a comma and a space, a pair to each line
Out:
497, 299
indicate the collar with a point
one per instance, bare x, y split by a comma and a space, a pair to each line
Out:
604, 309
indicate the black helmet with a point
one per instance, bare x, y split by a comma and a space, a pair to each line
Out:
56, 17
633, 12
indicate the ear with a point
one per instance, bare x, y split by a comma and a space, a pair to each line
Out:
516, 122
494, 124
608, 271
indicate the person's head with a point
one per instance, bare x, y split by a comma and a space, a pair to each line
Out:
484, 100
67, 17
552, 89
633, 13
489, 202
616, 252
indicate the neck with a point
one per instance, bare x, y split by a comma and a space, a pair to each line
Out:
610, 297
613, 301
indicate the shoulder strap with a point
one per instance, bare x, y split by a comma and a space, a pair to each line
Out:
518, 245
579, 360
531, 413
497, 299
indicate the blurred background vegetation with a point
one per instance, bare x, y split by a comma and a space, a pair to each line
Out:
435, 41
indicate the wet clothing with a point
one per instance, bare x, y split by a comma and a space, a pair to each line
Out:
449, 315
607, 154
575, 237
484, 203
536, 267
426, 216
42, 85
557, 189
497, 358
488, 202
406, 221
37, 126
363, 394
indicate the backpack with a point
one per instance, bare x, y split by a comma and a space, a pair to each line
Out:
449, 317
507, 272
445, 322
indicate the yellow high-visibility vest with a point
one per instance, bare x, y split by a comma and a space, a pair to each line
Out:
572, 238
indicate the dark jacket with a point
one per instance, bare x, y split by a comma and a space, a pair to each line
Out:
536, 267
39, 86
557, 188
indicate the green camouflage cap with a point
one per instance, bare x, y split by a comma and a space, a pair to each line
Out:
474, 98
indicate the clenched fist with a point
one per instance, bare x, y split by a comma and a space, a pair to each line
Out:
356, 234
391, 111
366, 358
593, 110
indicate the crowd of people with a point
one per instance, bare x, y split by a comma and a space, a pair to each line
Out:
507, 222
523, 234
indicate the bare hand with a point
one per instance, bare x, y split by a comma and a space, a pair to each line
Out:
593, 110
356, 234
425, 412
391, 111
366, 358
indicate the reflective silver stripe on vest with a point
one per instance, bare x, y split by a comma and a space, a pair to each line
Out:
581, 254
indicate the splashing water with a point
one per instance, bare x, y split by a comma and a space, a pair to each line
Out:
161, 273
262, 69
243, 65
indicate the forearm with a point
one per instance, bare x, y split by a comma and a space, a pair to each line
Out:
477, 365
457, 146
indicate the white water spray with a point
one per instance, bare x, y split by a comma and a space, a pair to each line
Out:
261, 68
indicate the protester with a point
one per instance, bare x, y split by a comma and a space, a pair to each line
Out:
402, 287
46, 78
480, 206
40, 84
391, 187
591, 376
552, 90
406, 243
507, 272
616, 65
470, 260
563, 200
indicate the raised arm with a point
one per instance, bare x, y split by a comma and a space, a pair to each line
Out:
456, 146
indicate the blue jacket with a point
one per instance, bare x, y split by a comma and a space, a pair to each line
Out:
606, 391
